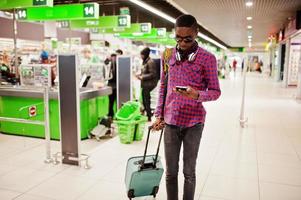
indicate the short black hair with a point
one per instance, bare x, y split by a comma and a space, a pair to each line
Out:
186, 21
146, 51
119, 51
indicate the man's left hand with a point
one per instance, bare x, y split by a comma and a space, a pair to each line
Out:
190, 92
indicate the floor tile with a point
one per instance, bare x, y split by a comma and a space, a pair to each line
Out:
23, 179
32, 197
272, 191
280, 174
231, 188
63, 187
8, 194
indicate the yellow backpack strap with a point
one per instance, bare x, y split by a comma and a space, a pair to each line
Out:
166, 57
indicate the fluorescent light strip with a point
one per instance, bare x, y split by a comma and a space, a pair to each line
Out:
173, 20
205, 37
154, 10
249, 3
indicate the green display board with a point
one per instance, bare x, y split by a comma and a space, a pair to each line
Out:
161, 32
124, 10
157, 36
123, 21
60, 12
135, 28
153, 34
11, 4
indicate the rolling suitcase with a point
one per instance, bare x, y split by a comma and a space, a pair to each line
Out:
143, 173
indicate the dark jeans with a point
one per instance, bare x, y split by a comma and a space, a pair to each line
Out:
146, 97
174, 136
112, 99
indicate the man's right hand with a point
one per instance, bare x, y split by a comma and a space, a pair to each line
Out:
158, 124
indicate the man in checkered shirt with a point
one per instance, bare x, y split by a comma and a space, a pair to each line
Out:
183, 115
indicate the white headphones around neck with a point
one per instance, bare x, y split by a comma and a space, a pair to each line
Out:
191, 57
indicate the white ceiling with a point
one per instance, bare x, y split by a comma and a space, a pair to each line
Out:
226, 19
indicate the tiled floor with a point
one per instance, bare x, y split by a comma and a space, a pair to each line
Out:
259, 162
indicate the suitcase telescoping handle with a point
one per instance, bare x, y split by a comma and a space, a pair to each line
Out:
145, 151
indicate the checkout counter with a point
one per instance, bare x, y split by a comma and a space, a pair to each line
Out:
26, 102
18, 102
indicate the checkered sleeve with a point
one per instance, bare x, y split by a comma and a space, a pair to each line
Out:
212, 92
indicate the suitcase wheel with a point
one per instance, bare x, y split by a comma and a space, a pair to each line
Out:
131, 194
155, 191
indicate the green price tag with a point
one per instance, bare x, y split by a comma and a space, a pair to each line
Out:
39, 2
144, 28
22, 14
122, 21
89, 10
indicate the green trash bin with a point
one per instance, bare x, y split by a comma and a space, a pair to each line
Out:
140, 123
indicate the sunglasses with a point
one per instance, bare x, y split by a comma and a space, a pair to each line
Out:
187, 39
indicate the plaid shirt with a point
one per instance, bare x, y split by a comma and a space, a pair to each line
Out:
200, 74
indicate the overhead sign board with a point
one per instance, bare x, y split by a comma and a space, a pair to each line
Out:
11, 4
123, 21
134, 28
153, 34
60, 12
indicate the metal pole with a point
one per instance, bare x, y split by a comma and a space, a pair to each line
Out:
242, 119
15, 42
18, 120
46, 120
70, 38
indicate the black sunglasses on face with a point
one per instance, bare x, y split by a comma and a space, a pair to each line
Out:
187, 39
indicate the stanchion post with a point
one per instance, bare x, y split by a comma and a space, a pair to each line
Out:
46, 125
242, 119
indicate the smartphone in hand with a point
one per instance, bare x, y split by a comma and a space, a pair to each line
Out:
181, 88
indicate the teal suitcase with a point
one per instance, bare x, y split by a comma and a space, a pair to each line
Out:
144, 173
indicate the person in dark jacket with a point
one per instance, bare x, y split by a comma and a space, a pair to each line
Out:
148, 80
112, 81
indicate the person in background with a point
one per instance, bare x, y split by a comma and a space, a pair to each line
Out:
112, 81
53, 63
148, 80
234, 65
4, 69
184, 114
242, 65
44, 57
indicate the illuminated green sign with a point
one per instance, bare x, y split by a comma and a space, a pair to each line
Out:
157, 36
60, 12
139, 35
135, 28
11, 4
103, 22
124, 11
161, 32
